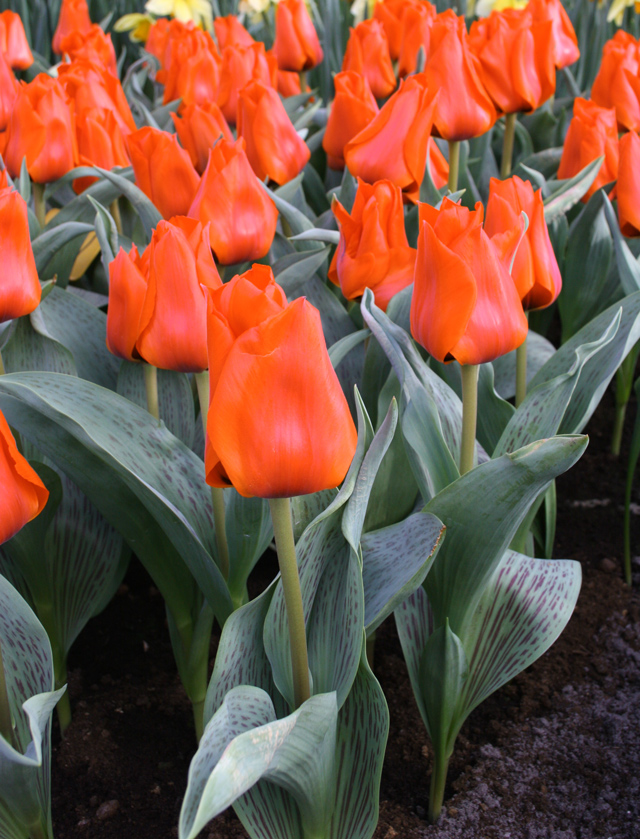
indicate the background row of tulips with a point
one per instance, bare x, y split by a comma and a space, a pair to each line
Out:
291, 280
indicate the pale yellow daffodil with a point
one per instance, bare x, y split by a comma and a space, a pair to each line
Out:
362, 9
198, 11
138, 25
483, 8
254, 9
616, 10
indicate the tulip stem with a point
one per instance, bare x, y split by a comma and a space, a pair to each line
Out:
521, 373
303, 81
115, 213
39, 203
454, 164
2, 370
438, 783
469, 414
507, 144
285, 545
6, 727
151, 387
217, 493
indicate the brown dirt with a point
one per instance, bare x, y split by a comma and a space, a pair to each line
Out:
553, 755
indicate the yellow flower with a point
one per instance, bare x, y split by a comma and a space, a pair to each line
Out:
199, 11
485, 7
254, 9
362, 9
137, 23
616, 10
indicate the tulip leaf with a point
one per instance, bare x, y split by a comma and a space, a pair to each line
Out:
342, 347
28, 349
600, 368
304, 509
293, 271
243, 744
539, 351
28, 669
317, 234
48, 243
175, 399
628, 267
80, 209
482, 511
144, 480
296, 220
442, 674
144, 207
249, 532
569, 192
106, 233
395, 562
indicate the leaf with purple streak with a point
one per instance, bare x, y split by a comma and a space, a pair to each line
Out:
24, 770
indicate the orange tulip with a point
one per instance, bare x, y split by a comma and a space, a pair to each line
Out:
296, 45
373, 251
352, 109
74, 17
95, 46
163, 170
195, 79
592, 132
91, 86
417, 21
438, 165
199, 127
13, 41
279, 422
464, 108
23, 493
465, 305
243, 217
367, 53
231, 33
564, 36
390, 13
617, 84
157, 308
516, 59
19, 285
8, 91
41, 128
274, 148
239, 66
394, 144
628, 186
289, 83
100, 143
159, 36
535, 268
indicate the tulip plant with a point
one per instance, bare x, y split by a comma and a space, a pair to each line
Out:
290, 276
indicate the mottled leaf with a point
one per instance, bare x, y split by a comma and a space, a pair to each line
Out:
539, 351
571, 191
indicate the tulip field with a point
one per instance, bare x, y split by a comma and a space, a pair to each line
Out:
308, 311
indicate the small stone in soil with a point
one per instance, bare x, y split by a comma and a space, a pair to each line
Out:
608, 565
107, 810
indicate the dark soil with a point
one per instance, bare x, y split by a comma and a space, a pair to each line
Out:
553, 755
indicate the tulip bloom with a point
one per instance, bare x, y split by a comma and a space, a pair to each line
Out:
367, 53
41, 128
274, 148
74, 17
195, 80
95, 46
438, 165
231, 33
163, 170
394, 144
352, 109
564, 36
628, 186
13, 41
464, 108
373, 251
157, 308
465, 305
100, 143
289, 83
91, 86
199, 127
390, 13
279, 422
23, 493
239, 66
417, 21
296, 45
243, 217
592, 132
19, 285
516, 59
535, 268
617, 84
8, 91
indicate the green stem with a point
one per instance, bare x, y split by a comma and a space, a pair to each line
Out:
6, 727
2, 370
217, 493
438, 783
151, 387
507, 145
39, 203
454, 164
521, 373
469, 416
618, 428
115, 212
285, 545
63, 708
303, 81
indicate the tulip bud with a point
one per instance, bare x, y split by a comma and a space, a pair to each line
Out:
8, 91
628, 186
19, 285
231, 33
592, 132
617, 84
367, 53
352, 109
13, 41
296, 45
74, 17
417, 21
564, 37
239, 66
199, 127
